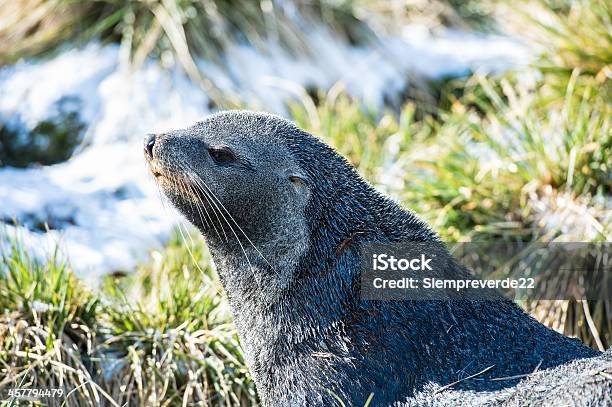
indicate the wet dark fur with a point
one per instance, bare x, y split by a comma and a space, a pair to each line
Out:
307, 336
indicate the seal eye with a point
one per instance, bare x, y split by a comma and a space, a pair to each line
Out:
222, 155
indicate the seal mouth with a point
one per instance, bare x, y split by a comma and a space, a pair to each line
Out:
157, 172
160, 176
168, 177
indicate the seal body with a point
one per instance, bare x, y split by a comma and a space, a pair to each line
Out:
285, 216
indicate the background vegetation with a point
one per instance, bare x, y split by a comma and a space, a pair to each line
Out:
524, 156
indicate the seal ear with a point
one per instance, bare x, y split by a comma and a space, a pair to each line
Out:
297, 180
300, 182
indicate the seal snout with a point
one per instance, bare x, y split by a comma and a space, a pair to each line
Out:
149, 143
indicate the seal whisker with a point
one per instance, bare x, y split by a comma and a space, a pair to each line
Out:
196, 183
185, 186
212, 220
197, 207
201, 181
210, 195
162, 198
211, 202
189, 187
167, 211
215, 212
181, 225
195, 262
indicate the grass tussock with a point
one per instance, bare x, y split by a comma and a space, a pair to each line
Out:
180, 32
161, 336
170, 333
365, 137
576, 37
462, 14
505, 164
47, 327
187, 32
204, 29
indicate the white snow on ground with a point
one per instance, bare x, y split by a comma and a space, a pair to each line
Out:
102, 206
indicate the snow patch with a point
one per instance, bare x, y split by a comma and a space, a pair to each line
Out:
102, 207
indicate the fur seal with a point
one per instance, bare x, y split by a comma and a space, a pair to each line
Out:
284, 216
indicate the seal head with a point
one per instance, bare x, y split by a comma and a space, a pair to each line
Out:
238, 183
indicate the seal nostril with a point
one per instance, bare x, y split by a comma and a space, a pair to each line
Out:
149, 142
